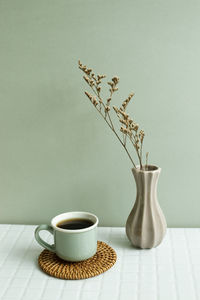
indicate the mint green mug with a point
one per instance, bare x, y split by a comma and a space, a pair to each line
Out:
70, 244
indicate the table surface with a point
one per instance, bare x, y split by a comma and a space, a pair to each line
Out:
170, 271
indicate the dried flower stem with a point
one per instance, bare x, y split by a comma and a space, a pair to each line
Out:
129, 127
112, 128
141, 153
125, 139
134, 142
147, 156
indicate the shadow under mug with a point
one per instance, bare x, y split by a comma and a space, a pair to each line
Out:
71, 245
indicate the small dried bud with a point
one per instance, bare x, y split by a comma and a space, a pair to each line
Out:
124, 105
141, 135
89, 95
126, 116
134, 126
111, 84
137, 146
99, 77
108, 101
126, 101
131, 95
123, 130
107, 108
94, 101
91, 83
115, 79
87, 72
126, 131
115, 109
86, 79
124, 122
98, 89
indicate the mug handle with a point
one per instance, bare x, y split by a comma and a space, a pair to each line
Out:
41, 241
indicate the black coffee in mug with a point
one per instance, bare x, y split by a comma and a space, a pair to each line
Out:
75, 224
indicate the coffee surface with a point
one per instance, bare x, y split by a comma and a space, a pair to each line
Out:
75, 224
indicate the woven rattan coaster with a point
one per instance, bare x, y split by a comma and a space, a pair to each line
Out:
103, 260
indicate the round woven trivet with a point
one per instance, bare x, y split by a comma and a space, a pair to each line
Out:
103, 260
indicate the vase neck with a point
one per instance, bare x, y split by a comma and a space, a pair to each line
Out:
146, 182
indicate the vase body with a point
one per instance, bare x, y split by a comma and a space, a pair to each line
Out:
146, 224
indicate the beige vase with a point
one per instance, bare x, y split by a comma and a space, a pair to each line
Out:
146, 224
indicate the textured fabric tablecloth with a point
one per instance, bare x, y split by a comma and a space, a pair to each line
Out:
170, 271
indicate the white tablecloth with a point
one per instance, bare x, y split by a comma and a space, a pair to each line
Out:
169, 272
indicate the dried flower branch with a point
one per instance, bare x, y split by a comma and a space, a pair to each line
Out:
129, 128
147, 156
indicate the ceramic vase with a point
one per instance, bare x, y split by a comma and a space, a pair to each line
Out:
146, 224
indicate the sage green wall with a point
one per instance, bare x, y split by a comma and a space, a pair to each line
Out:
56, 153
